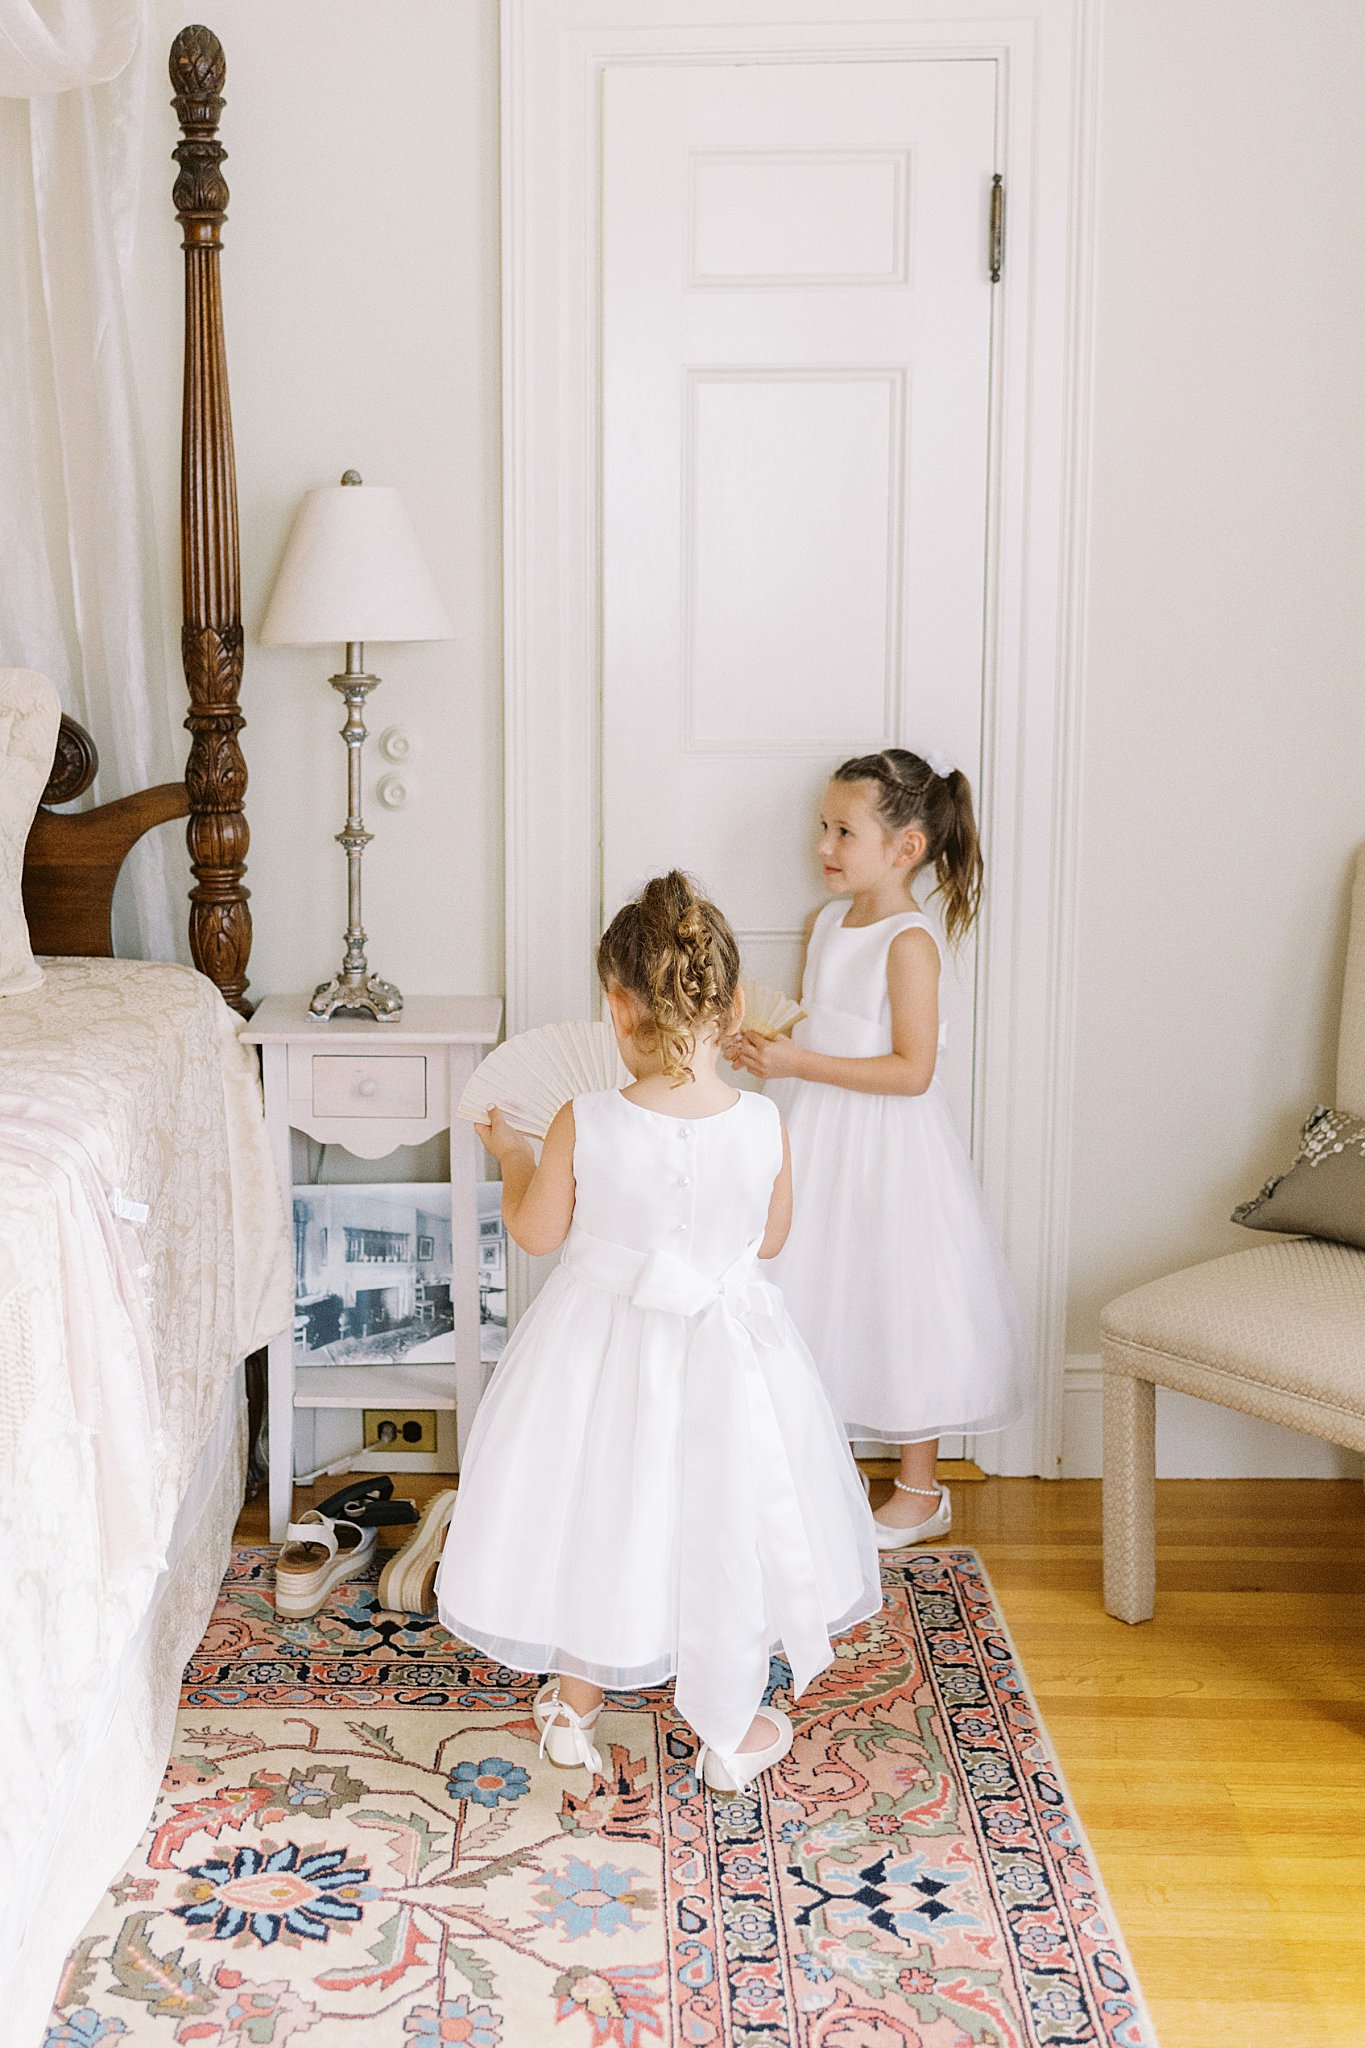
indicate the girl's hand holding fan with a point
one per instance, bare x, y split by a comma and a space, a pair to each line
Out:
759, 1047
501, 1138
768, 1059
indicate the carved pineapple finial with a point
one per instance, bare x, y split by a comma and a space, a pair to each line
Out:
197, 64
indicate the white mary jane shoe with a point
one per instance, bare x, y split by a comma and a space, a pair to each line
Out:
565, 1737
937, 1524
730, 1774
317, 1553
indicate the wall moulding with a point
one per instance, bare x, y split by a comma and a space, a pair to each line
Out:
555, 54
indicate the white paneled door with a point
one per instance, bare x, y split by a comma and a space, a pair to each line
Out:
796, 337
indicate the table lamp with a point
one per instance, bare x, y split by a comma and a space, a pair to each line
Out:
353, 571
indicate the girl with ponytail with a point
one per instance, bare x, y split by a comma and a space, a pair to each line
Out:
890, 1270
655, 1485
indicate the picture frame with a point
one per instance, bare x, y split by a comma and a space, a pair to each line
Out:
373, 1272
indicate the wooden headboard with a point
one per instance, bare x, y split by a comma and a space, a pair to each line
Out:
72, 859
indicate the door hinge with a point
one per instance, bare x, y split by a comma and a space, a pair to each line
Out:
997, 249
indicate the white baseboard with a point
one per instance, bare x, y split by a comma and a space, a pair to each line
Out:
1194, 1439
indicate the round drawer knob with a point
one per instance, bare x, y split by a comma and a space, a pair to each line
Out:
366, 1087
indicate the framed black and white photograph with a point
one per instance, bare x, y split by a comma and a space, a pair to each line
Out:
373, 1272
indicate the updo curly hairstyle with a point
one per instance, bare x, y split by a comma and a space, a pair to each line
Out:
676, 954
908, 792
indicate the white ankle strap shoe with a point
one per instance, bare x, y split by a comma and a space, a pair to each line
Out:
936, 1524
565, 1737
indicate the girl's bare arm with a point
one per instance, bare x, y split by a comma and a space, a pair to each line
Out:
537, 1199
912, 972
779, 1206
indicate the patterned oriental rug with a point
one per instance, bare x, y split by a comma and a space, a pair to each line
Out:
357, 1846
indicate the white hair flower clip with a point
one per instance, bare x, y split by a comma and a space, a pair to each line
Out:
940, 764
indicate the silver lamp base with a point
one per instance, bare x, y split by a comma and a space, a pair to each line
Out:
353, 990
360, 995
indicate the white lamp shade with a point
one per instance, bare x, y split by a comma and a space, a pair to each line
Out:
353, 570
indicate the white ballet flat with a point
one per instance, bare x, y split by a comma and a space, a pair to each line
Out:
937, 1524
317, 1553
730, 1774
565, 1737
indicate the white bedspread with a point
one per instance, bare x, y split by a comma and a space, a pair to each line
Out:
143, 1251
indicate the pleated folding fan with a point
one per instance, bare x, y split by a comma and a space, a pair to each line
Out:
531, 1076
767, 1012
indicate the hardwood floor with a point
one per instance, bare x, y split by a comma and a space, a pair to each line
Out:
1217, 1753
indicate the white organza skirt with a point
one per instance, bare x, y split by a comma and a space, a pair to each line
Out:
639, 1483
892, 1272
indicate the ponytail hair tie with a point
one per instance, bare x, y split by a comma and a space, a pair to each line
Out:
940, 764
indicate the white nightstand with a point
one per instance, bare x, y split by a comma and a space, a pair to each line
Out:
371, 1087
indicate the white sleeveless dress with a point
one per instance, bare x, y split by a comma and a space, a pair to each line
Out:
655, 1483
892, 1271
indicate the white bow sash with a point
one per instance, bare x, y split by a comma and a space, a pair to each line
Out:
747, 1573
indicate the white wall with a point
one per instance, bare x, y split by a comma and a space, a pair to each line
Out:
1225, 713
361, 287
1224, 781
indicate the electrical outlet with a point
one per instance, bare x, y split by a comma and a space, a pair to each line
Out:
400, 1429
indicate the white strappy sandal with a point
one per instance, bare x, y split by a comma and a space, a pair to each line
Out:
730, 1774
565, 1737
318, 1552
938, 1523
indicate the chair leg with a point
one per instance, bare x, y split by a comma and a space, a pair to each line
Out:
1129, 1497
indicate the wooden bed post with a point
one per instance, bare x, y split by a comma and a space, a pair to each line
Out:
211, 636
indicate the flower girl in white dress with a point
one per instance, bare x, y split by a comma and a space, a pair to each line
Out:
694, 1499
891, 1270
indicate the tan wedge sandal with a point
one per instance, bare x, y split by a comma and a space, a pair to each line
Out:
407, 1584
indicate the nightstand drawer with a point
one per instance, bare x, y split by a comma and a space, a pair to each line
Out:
359, 1084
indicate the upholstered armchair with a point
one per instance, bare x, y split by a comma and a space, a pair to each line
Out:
1278, 1331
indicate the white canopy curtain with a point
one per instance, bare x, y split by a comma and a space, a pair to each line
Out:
80, 595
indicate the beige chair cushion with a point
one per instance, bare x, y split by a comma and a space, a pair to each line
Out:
30, 714
1284, 1318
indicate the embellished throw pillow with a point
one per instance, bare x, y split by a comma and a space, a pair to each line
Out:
30, 714
1323, 1192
